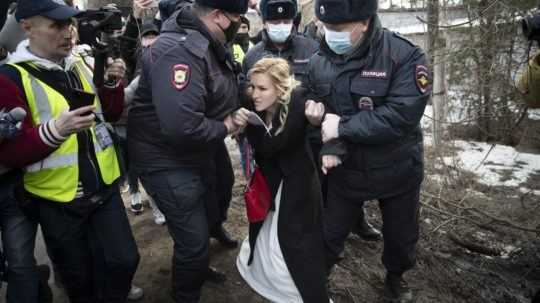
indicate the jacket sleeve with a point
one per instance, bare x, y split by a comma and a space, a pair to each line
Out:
112, 101
129, 44
400, 112
335, 147
34, 142
178, 81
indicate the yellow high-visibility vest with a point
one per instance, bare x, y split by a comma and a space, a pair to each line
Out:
56, 177
238, 53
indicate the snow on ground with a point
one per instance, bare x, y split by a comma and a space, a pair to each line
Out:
385, 4
534, 114
503, 165
427, 120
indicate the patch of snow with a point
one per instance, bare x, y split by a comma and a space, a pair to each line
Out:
503, 166
385, 4
525, 190
534, 114
421, 28
427, 119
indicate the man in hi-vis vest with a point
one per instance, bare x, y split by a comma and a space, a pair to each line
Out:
67, 154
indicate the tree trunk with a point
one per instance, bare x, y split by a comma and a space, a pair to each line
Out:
439, 94
436, 47
486, 63
433, 26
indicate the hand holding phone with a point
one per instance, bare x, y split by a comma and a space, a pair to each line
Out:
80, 99
74, 121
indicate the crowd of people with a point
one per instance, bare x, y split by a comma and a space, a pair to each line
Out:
328, 115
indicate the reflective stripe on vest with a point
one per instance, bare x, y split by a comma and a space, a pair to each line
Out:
43, 108
56, 177
53, 162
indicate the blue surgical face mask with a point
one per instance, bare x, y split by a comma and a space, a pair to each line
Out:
279, 33
339, 42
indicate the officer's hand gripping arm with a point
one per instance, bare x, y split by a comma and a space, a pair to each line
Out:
399, 114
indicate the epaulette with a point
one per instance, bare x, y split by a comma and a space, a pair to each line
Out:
399, 36
196, 44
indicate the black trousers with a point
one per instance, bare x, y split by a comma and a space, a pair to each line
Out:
400, 226
130, 174
219, 180
181, 195
18, 240
92, 246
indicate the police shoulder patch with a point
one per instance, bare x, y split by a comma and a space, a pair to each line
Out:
180, 76
421, 76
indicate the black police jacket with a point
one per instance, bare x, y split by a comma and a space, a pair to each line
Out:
297, 51
380, 92
188, 86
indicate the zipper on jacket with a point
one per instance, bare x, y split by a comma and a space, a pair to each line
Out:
89, 155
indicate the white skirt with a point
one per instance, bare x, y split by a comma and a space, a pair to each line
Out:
268, 274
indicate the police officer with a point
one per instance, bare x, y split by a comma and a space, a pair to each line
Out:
280, 39
374, 85
181, 113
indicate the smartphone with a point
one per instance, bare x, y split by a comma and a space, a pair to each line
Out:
80, 99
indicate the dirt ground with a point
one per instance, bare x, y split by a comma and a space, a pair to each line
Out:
474, 247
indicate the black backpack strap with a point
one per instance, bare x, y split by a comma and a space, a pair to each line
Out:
46, 78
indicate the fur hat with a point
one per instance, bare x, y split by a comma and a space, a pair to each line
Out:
343, 11
278, 9
230, 6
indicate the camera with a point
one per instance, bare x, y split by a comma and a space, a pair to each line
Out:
95, 26
10, 122
101, 29
531, 27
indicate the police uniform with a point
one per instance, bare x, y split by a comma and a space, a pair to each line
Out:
296, 49
379, 89
187, 88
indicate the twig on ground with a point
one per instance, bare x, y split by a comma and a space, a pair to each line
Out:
351, 295
443, 224
474, 247
494, 219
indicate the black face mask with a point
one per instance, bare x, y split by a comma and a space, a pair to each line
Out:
230, 32
241, 38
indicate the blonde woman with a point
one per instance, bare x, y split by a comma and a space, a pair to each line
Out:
283, 257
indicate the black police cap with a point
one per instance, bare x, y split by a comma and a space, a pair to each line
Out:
342, 11
230, 6
278, 9
149, 27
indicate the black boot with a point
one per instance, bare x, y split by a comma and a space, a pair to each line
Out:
396, 290
215, 276
223, 237
536, 298
366, 231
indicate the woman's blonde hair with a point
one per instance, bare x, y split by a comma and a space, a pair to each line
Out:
279, 72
